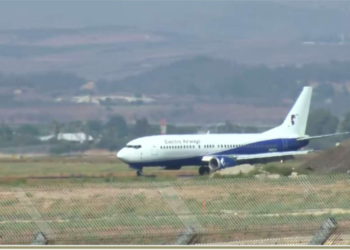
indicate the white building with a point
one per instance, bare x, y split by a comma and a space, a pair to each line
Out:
72, 137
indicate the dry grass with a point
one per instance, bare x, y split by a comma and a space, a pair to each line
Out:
103, 202
137, 211
86, 168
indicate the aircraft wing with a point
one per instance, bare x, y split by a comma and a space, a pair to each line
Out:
307, 137
270, 155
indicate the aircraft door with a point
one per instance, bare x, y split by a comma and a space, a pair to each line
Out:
154, 151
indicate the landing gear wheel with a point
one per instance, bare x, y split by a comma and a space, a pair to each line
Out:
139, 172
203, 170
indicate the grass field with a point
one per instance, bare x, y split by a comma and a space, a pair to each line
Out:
99, 200
148, 212
102, 168
55, 170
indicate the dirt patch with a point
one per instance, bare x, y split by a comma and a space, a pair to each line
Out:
334, 160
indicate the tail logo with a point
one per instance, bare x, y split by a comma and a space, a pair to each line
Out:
223, 161
292, 119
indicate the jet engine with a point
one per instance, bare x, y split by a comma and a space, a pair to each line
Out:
218, 162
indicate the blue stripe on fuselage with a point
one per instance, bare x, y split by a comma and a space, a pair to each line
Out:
275, 145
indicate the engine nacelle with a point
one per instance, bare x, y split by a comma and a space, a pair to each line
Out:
218, 162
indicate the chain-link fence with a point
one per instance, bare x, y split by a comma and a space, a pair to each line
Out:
215, 210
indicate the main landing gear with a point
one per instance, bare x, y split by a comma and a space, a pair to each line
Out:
204, 170
139, 172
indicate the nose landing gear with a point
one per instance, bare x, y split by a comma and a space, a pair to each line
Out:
138, 169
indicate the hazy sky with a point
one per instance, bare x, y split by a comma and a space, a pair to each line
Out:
25, 14
245, 31
174, 15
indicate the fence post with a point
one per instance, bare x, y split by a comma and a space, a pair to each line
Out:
187, 238
189, 219
327, 229
40, 239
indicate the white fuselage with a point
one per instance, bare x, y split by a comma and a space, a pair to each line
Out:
161, 150
227, 149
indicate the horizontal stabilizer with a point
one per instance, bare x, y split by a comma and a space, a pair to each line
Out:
270, 155
307, 137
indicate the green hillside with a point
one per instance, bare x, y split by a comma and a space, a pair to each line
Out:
215, 77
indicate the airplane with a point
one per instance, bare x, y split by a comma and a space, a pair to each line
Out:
212, 152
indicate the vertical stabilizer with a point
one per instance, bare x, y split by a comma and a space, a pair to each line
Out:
296, 121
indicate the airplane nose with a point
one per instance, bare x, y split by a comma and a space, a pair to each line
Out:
121, 154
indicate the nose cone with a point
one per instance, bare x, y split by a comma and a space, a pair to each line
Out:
122, 154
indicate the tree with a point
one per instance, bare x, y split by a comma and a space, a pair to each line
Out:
26, 135
27, 130
117, 124
321, 122
6, 133
345, 124
142, 127
56, 127
94, 128
228, 127
115, 133
73, 127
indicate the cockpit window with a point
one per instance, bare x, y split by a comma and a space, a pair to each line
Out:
133, 146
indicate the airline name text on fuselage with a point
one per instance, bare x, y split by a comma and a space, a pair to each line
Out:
182, 141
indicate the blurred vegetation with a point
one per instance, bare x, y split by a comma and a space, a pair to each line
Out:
200, 76
203, 75
322, 121
115, 132
48, 82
